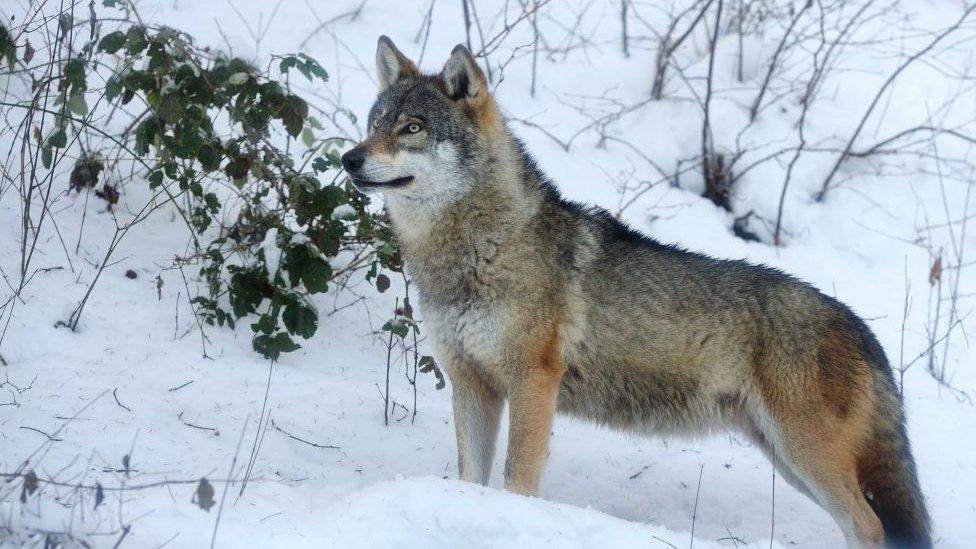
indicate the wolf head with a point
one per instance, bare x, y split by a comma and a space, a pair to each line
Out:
427, 133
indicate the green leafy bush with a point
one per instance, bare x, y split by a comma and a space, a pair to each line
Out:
218, 139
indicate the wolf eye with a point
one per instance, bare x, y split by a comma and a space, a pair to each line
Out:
413, 128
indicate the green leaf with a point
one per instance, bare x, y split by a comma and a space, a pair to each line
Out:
312, 67
139, 80
303, 263
188, 138
293, 113
328, 237
334, 159
308, 137
265, 324
74, 76
158, 56
28, 52
47, 155
113, 88
320, 164
8, 50
170, 108
65, 23
238, 78
112, 42
212, 202
272, 347
135, 40
238, 168
397, 326
301, 197
209, 157
301, 318
331, 197
155, 179
428, 364
287, 63
388, 255
77, 105
305, 65
146, 133
58, 140
246, 291
317, 275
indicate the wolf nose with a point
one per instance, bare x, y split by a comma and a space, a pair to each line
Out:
353, 159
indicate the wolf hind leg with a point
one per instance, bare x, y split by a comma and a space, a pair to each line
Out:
477, 411
840, 494
779, 463
824, 461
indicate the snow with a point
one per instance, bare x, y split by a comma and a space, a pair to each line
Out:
479, 517
272, 253
868, 244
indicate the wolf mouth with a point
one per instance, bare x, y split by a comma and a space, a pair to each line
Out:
398, 182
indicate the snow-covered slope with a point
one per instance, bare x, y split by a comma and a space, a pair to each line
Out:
128, 366
440, 513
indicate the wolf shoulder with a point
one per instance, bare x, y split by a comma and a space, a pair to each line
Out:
617, 254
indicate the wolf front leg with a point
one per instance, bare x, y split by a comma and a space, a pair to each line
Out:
477, 409
532, 406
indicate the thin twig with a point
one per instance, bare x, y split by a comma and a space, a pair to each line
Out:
877, 97
775, 59
188, 424
694, 513
223, 497
178, 387
772, 512
259, 435
289, 435
49, 437
115, 394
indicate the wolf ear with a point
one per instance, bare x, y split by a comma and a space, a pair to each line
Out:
391, 65
462, 76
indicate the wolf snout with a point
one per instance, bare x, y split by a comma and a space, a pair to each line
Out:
353, 159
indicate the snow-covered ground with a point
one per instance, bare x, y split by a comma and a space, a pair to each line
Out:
125, 371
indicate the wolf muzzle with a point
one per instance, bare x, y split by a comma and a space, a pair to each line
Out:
353, 161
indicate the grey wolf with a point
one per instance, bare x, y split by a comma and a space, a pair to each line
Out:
554, 306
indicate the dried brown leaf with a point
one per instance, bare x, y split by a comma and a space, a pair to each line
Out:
204, 496
935, 273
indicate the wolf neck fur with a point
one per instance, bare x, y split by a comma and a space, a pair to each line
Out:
488, 201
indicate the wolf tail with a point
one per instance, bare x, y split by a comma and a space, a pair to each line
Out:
886, 472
